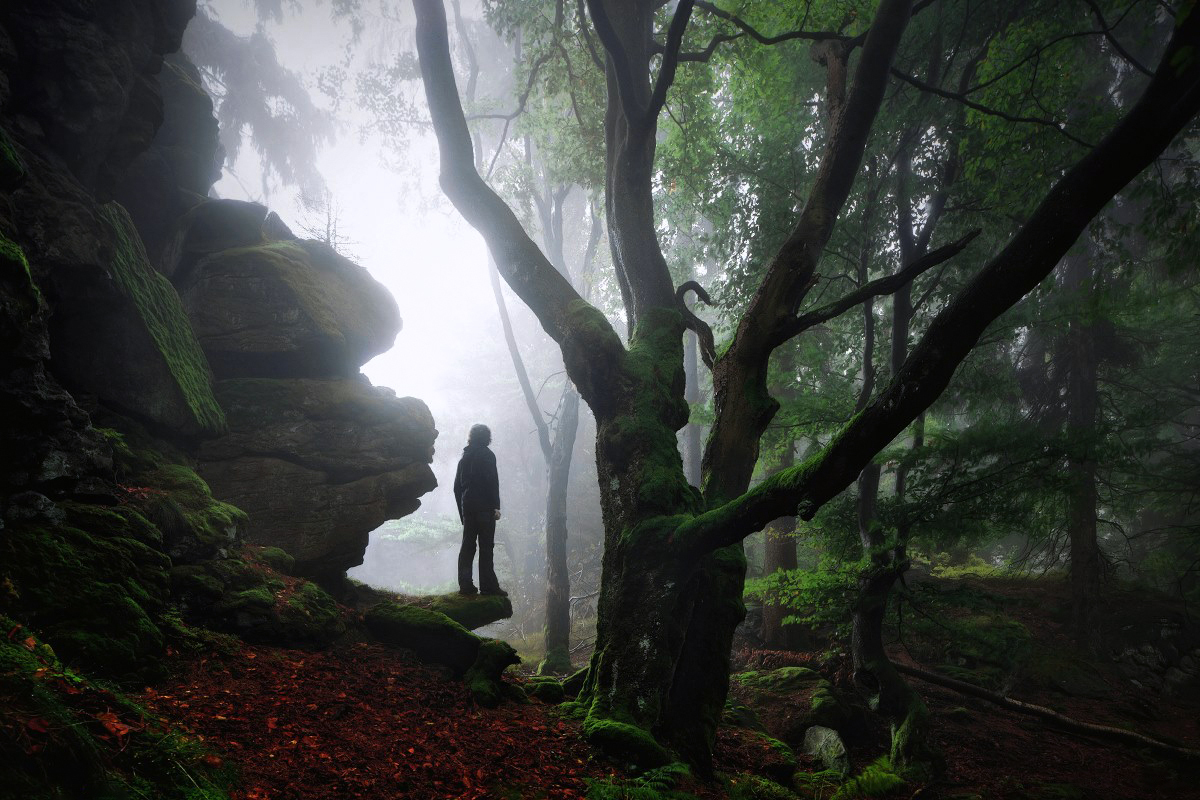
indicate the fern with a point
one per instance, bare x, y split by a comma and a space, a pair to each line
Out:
877, 780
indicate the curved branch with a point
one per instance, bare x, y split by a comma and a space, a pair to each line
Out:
1112, 39
747, 29
708, 348
588, 342
887, 285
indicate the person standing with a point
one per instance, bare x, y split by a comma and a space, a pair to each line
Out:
477, 494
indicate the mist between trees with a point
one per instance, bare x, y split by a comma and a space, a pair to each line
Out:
949, 321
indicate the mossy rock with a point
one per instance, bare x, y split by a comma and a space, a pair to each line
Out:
50, 745
257, 604
12, 168
483, 678
548, 690
94, 582
195, 525
785, 680
472, 611
624, 742
277, 559
432, 636
194, 408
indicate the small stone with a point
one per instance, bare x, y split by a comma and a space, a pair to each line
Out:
827, 745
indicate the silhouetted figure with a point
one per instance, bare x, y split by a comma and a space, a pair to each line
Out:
477, 493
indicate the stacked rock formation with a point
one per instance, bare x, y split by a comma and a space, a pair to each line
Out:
316, 455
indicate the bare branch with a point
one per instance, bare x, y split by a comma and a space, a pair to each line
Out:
882, 286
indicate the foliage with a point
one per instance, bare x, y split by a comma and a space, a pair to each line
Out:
654, 784
878, 779
819, 598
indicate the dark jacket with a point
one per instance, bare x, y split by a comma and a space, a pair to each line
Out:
476, 484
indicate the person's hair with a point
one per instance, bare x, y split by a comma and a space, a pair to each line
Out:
480, 434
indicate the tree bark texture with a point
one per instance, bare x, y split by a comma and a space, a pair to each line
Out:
558, 579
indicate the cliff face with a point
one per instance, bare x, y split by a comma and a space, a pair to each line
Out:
149, 336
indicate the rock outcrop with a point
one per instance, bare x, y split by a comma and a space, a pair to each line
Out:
316, 455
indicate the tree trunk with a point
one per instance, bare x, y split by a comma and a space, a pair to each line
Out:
780, 556
558, 582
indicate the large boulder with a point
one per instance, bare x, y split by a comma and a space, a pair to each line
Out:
318, 464
284, 308
118, 331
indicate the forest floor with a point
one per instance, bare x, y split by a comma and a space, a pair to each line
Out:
364, 721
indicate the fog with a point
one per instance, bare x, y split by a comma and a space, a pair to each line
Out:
391, 217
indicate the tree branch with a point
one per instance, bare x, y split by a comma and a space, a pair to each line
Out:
704, 334
982, 109
670, 61
1170, 101
1108, 34
882, 286
748, 30
588, 342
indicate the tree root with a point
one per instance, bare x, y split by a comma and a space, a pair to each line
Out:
1108, 733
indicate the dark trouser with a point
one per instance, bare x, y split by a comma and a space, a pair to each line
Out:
478, 526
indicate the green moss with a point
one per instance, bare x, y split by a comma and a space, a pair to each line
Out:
51, 729
277, 559
548, 690
94, 583
472, 611
556, 662
16, 267
877, 780
12, 167
195, 525
627, 743
484, 676
192, 579
782, 680
257, 598
433, 637
165, 318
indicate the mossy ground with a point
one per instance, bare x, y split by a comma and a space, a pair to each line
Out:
94, 582
64, 736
